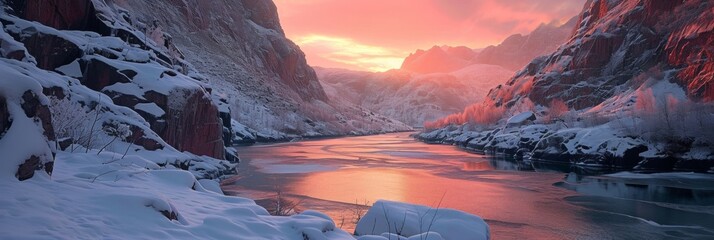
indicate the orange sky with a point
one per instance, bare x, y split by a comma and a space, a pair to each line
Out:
376, 35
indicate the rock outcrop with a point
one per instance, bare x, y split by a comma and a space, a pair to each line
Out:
114, 60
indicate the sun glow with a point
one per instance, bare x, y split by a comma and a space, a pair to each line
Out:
350, 53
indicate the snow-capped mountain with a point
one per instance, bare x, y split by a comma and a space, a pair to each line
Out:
411, 97
631, 89
518, 50
442, 80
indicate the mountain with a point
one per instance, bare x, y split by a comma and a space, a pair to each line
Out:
442, 80
439, 59
411, 97
518, 50
243, 54
631, 89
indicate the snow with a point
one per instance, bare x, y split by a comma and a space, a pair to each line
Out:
71, 70
87, 199
520, 118
150, 108
25, 137
410, 220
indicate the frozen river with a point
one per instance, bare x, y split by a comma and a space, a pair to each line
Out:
518, 201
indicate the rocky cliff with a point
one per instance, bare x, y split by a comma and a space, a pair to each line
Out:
184, 115
614, 42
92, 78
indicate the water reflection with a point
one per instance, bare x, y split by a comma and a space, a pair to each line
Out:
518, 199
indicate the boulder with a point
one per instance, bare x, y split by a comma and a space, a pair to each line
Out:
49, 50
59, 14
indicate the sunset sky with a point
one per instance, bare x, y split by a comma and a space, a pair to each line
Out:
376, 35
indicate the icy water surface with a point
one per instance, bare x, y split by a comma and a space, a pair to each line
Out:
518, 201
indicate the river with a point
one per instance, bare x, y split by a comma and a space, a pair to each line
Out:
340, 176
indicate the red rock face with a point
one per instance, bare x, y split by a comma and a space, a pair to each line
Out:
289, 63
264, 13
195, 126
98, 74
618, 40
59, 14
692, 49
41, 113
4, 117
50, 51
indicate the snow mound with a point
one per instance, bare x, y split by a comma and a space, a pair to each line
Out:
521, 118
410, 221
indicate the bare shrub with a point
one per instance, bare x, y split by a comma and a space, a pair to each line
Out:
557, 111
484, 113
71, 119
666, 119
281, 205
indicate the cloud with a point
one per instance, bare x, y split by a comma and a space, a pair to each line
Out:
349, 53
402, 26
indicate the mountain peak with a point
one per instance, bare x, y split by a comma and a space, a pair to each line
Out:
439, 59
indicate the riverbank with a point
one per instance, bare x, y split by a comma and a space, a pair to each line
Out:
598, 148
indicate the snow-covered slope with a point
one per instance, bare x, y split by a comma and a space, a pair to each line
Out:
631, 89
262, 76
411, 97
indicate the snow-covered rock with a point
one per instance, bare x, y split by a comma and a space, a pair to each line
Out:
408, 221
132, 72
520, 119
26, 133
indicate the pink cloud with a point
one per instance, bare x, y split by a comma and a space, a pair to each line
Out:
400, 26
